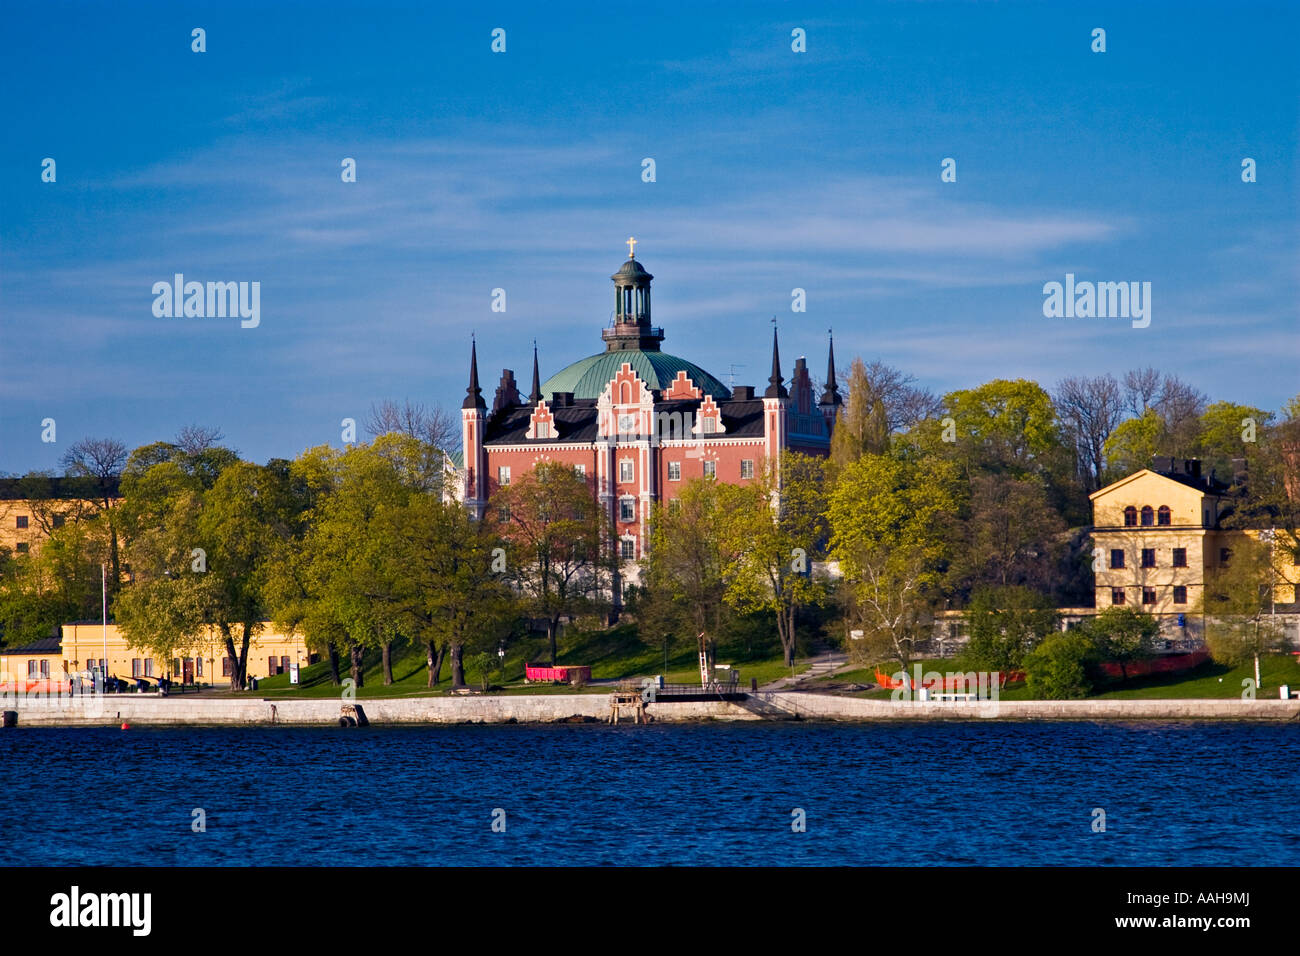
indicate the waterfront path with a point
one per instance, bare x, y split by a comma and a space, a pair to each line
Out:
824, 664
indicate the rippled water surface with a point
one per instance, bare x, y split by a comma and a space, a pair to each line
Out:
943, 793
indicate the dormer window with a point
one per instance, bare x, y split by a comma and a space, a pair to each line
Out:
709, 425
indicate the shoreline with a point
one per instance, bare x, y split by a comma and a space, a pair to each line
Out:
587, 708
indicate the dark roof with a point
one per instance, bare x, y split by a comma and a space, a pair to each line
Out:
1201, 483
573, 423
580, 422
46, 645
43, 486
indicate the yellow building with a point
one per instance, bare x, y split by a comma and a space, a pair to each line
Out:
31, 508
1157, 537
206, 662
39, 661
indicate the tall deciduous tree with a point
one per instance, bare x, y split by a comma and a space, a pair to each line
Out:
774, 528
891, 524
102, 460
1089, 410
1238, 596
881, 400
200, 556
1007, 623
1123, 635
682, 570
559, 539
458, 595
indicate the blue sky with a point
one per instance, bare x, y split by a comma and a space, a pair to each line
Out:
522, 170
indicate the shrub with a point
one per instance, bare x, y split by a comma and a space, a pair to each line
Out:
1058, 668
1122, 635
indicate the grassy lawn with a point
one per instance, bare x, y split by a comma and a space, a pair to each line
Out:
1210, 680
614, 654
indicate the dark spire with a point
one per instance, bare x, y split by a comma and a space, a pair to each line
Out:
473, 394
831, 396
775, 389
535, 395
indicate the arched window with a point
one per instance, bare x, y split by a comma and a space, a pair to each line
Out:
1164, 515
1148, 516
1130, 517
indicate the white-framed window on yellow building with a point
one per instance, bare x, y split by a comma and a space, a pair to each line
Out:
148, 667
137, 667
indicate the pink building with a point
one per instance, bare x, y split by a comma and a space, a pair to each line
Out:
638, 422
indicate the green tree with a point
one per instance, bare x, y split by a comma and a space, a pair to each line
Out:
1006, 425
1122, 635
1133, 444
1057, 669
1238, 598
200, 557
1006, 623
682, 570
891, 521
1013, 534
1228, 431
770, 549
458, 597
559, 543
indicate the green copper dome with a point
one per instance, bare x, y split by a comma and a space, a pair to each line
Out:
588, 377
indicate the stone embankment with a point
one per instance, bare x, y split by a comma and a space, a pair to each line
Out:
154, 711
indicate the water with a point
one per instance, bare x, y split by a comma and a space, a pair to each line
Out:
942, 793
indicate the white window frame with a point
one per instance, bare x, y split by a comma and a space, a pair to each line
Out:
580, 471
625, 545
503, 475
626, 503
746, 468
711, 468
674, 471
626, 471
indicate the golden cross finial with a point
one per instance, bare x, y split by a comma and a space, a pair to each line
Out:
631, 248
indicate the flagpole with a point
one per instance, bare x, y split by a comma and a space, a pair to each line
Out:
103, 580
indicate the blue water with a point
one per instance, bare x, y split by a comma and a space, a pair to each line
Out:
943, 793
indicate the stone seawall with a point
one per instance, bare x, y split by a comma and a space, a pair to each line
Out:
114, 710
